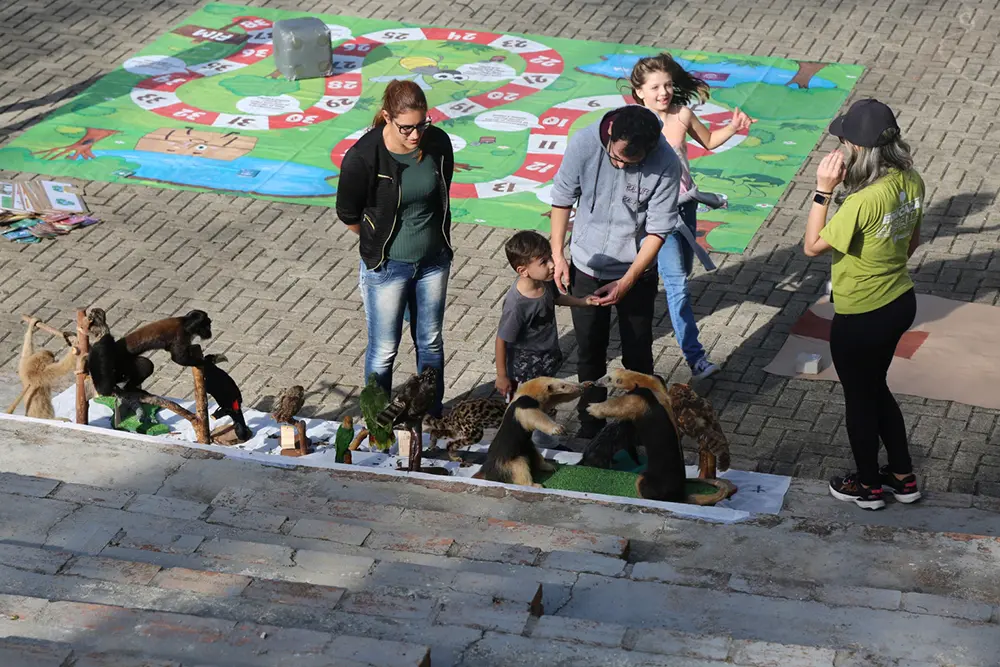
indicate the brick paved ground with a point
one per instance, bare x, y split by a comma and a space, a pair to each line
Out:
280, 280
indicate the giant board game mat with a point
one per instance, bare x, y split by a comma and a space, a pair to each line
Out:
203, 108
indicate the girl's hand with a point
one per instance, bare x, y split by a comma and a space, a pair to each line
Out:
593, 300
831, 172
741, 121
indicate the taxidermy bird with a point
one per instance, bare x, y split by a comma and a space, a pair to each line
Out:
372, 401
409, 405
342, 442
411, 401
288, 404
697, 419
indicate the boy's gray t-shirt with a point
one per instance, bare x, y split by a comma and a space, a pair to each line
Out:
530, 324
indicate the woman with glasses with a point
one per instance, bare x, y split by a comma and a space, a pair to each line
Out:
871, 237
393, 193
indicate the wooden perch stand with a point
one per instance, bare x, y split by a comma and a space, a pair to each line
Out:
706, 465
199, 420
707, 471
83, 341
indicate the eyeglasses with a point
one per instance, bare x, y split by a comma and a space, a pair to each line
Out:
407, 130
620, 163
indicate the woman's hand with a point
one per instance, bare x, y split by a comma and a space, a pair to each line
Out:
831, 172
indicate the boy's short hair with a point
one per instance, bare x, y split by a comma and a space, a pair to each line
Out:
524, 247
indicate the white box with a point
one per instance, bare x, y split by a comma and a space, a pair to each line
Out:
808, 364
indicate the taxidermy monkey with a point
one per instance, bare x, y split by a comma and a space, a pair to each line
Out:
221, 386
173, 334
512, 457
665, 474
39, 371
108, 363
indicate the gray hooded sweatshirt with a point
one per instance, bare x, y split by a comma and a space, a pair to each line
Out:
618, 208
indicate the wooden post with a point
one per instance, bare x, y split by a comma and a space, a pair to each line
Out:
200, 407
706, 465
83, 344
300, 436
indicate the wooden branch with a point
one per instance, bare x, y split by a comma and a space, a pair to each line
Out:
706, 465
42, 326
361, 435
83, 345
143, 396
201, 407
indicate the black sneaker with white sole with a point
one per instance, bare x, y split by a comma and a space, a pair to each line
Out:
905, 490
848, 488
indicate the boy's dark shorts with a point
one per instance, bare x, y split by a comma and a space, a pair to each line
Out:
524, 365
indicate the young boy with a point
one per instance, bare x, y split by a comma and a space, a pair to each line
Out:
527, 344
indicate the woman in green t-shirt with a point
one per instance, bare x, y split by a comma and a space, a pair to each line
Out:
871, 237
393, 193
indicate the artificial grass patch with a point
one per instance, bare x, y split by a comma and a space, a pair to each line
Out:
593, 480
619, 483
149, 425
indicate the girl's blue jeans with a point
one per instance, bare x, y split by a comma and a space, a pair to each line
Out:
674, 263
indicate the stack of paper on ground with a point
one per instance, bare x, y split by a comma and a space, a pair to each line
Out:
759, 493
35, 210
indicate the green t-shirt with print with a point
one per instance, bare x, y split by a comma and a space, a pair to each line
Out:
870, 235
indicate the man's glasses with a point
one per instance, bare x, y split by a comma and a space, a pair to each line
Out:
407, 130
620, 163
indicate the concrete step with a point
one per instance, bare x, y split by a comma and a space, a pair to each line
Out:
459, 570
908, 627
442, 608
316, 514
88, 628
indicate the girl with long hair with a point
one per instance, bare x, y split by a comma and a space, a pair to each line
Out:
393, 193
666, 88
871, 237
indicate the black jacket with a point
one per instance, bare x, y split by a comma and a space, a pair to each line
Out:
368, 191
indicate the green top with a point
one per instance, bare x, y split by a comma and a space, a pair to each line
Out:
420, 218
870, 235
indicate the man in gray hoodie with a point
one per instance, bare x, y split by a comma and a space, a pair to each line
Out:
624, 179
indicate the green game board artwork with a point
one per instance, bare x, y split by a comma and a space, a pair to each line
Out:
203, 108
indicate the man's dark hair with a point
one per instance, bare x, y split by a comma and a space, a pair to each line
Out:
640, 129
525, 247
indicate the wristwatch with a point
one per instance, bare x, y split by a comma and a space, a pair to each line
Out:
822, 198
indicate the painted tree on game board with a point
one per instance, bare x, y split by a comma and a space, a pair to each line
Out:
81, 149
807, 70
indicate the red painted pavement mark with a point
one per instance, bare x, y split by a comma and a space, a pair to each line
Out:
811, 325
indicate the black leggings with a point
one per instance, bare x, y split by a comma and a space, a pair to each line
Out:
862, 347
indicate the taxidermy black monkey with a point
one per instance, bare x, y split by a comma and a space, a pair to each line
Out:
108, 365
39, 371
665, 474
221, 386
512, 457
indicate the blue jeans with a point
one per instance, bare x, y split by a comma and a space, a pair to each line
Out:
388, 291
674, 263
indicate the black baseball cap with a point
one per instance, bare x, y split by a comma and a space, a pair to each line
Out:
864, 123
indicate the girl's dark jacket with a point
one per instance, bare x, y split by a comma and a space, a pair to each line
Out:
368, 192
